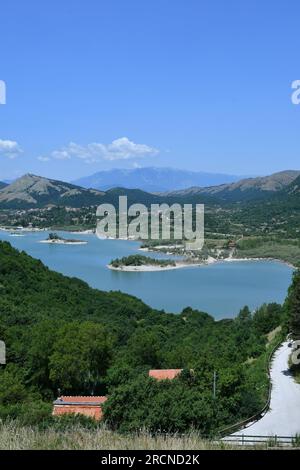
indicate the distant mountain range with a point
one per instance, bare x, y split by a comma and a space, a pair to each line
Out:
153, 179
245, 189
2, 184
32, 191
289, 196
294, 187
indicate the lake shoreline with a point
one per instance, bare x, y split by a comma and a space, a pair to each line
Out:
216, 260
146, 249
227, 260
151, 268
63, 242
208, 288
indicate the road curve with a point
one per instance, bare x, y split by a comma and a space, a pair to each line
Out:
283, 418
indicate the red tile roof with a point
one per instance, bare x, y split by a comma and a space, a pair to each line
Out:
82, 399
89, 406
163, 374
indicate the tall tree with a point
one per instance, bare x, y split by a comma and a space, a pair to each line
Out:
293, 306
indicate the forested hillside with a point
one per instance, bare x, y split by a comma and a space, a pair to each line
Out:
62, 334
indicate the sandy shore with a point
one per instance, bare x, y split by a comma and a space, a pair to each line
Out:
63, 242
24, 229
142, 268
162, 247
211, 260
83, 232
183, 264
152, 268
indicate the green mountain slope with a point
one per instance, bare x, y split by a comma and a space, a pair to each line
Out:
280, 209
60, 333
32, 191
245, 189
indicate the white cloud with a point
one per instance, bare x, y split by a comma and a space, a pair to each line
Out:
119, 149
9, 148
43, 159
124, 148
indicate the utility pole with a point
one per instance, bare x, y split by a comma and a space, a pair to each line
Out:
215, 385
2, 353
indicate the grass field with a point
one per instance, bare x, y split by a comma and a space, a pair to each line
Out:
16, 437
285, 251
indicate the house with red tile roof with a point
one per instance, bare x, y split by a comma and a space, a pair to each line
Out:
89, 406
164, 374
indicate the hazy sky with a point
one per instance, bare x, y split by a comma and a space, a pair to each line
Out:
197, 84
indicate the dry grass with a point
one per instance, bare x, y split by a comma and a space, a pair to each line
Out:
15, 437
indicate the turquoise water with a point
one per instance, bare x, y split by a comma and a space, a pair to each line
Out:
220, 289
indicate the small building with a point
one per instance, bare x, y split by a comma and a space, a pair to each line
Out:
164, 374
89, 406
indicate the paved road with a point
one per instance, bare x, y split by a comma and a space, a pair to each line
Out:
283, 418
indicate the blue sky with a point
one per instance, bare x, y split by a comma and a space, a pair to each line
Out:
197, 84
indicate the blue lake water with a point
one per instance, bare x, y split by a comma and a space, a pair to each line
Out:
220, 289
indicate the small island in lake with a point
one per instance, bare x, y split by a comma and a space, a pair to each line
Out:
53, 238
141, 263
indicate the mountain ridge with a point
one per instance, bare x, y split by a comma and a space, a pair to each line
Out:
32, 191
37, 191
152, 179
245, 189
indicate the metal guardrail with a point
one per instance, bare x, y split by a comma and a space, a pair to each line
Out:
257, 416
272, 441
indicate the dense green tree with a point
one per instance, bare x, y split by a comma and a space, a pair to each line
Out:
166, 406
292, 305
12, 385
267, 317
81, 355
60, 333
